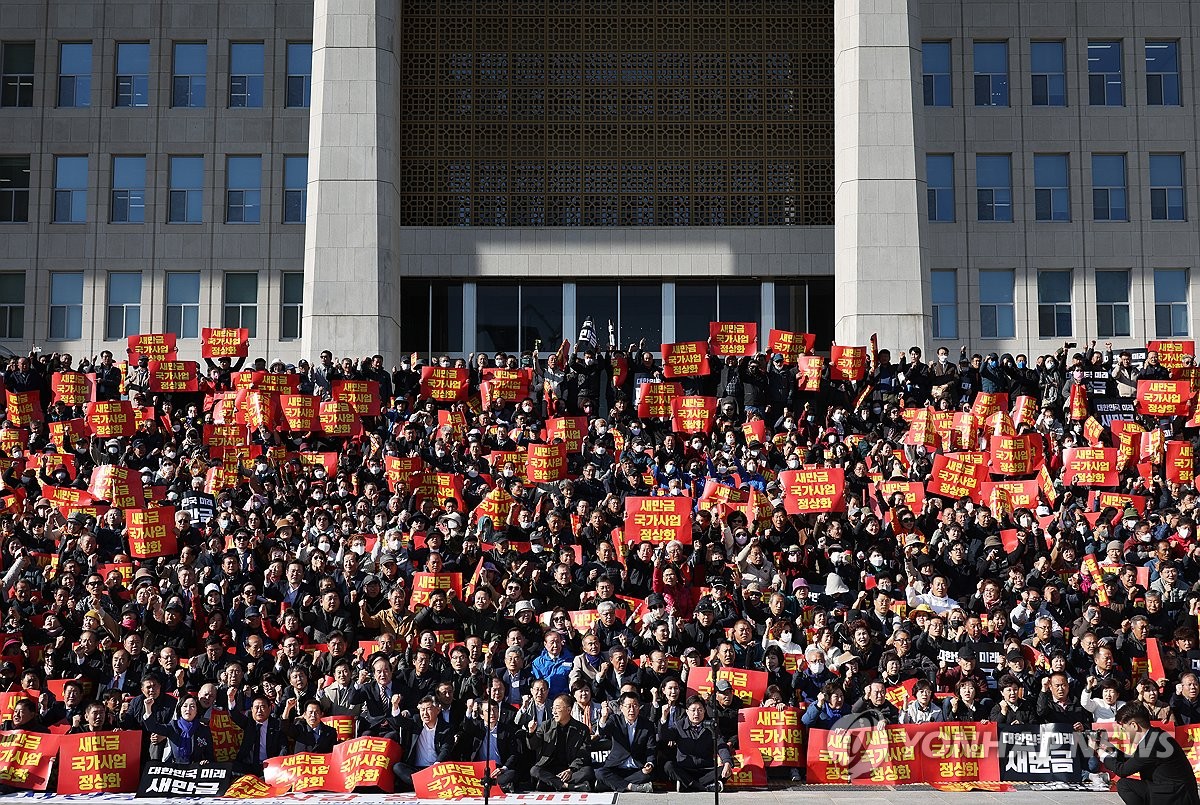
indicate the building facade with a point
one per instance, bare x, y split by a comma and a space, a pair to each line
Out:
460, 176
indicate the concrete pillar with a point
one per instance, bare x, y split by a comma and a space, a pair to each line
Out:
351, 287
880, 261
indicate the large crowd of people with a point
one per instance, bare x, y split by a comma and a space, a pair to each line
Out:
288, 599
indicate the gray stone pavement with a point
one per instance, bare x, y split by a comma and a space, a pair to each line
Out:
875, 796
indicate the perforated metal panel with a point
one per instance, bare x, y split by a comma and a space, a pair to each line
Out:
616, 112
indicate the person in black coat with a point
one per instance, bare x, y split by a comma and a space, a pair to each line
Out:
189, 738
633, 739
307, 733
429, 739
491, 732
564, 759
693, 765
256, 746
1165, 771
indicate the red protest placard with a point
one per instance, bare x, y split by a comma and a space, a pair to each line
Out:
749, 686
453, 780
685, 359
304, 771
1180, 463
168, 376
1170, 353
1164, 398
401, 471
155, 346
342, 725
737, 338
658, 519
1024, 411
23, 407
958, 475
790, 345
809, 369
505, 385
425, 583
111, 419
339, 419
26, 759
1016, 455
546, 463
151, 532
224, 342
67, 431
693, 414
367, 762
571, 429
73, 388
443, 384
99, 761
1020, 494
298, 413
272, 382
812, 491
776, 735
1090, 466
913, 492
848, 363
361, 395
120, 486
226, 735
655, 400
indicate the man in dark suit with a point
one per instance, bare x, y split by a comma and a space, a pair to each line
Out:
307, 733
564, 757
492, 733
428, 740
630, 763
379, 701
262, 735
1166, 774
163, 710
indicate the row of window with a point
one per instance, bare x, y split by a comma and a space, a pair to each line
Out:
1052, 187
123, 304
997, 306
131, 79
127, 194
1048, 73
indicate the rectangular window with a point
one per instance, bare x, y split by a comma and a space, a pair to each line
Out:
243, 190
1054, 304
517, 315
993, 180
997, 317
292, 310
128, 190
299, 75
241, 301
14, 189
183, 303
435, 324
75, 74
186, 181
991, 74
939, 172
1167, 198
1108, 188
295, 189
12, 306
944, 293
188, 78
1048, 62
634, 309
16, 74
246, 75
1052, 187
1105, 83
1170, 302
935, 69
133, 74
124, 315
70, 190
1112, 304
1162, 73
66, 305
